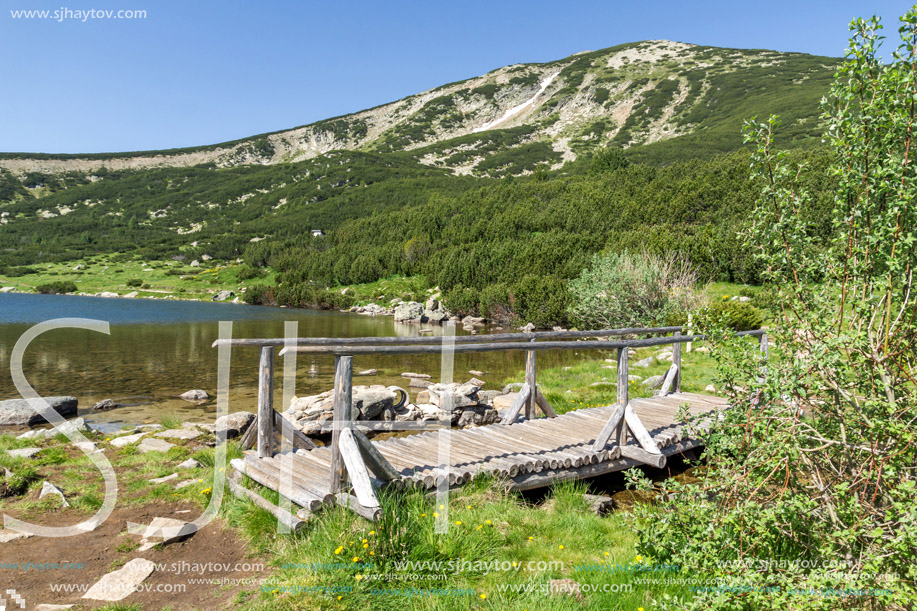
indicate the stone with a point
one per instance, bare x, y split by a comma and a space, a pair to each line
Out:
19, 412
633, 378
653, 381
408, 311
185, 484
47, 607
107, 294
188, 464
162, 480
154, 445
368, 402
664, 357
195, 395
223, 295
24, 452
131, 295
709, 388
644, 362
419, 383
486, 397
207, 428
431, 304
421, 376
78, 267
178, 434
504, 401
476, 382
126, 440
477, 416
744, 299
528, 328
234, 424
149, 427
105, 404
8, 289
47, 488
206, 258
120, 584
163, 531
71, 426
436, 316
87, 447
423, 396
702, 349
512, 387
195, 263
11, 535
456, 395
475, 372
367, 372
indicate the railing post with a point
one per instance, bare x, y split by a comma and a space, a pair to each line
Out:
343, 401
676, 360
266, 403
623, 396
530, 380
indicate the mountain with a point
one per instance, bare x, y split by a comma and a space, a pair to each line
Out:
657, 99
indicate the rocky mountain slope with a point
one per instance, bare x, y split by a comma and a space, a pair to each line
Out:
639, 96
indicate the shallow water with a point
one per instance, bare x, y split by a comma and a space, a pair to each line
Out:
158, 349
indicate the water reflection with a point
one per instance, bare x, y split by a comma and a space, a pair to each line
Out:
158, 350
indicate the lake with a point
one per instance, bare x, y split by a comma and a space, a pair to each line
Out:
158, 349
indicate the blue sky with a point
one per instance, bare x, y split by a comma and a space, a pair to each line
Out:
201, 72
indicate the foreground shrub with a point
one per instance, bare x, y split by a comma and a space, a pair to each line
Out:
807, 501
734, 315
58, 287
622, 290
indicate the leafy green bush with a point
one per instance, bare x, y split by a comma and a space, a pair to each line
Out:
734, 315
462, 301
541, 300
621, 290
58, 287
134, 282
497, 302
246, 272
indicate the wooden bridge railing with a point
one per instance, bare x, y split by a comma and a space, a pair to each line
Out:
353, 451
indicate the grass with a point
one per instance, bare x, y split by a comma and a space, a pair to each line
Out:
158, 279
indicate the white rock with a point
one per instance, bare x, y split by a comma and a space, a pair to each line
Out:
11, 535
709, 388
7, 289
162, 480
122, 583
24, 452
164, 531
45, 607
188, 464
154, 445
195, 395
47, 488
178, 434
419, 376
125, 440
185, 483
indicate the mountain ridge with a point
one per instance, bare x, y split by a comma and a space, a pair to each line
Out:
630, 96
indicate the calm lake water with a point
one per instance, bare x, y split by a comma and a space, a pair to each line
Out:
159, 349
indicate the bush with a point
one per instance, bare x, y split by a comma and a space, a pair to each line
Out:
624, 290
144, 286
734, 315
541, 300
247, 272
134, 282
497, 303
462, 301
58, 287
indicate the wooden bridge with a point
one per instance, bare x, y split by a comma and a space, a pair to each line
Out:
525, 450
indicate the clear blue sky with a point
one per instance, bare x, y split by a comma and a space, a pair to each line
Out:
200, 72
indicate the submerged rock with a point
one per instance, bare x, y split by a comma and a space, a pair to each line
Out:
195, 395
19, 412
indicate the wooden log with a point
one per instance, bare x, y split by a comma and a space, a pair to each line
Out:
599, 504
352, 503
670, 379
496, 439
303, 474
266, 402
374, 460
270, 480
639, 431
639, 454
296, 436
610, 427
343, 395
544, 405
623, 390
283, 516
530, 382
250, 436
521, 399
676, 361
359, 476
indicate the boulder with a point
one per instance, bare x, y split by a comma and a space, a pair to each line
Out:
419, 383
644, 362
476, 382
7, 289
367, 372
164, 531
195, 395
178, 434
419, 376
504, 402
105, 404
195, 263
131, 295
107, 294
475, 372
486, 397
456, 395
477, 416
126, 440
19, 412
223, 295
431, 304
709, 388
206, 258
436, 316
368, 401
653, 382
528, 328
408, 311
234, 424
162, 480
188, 464
24, 452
